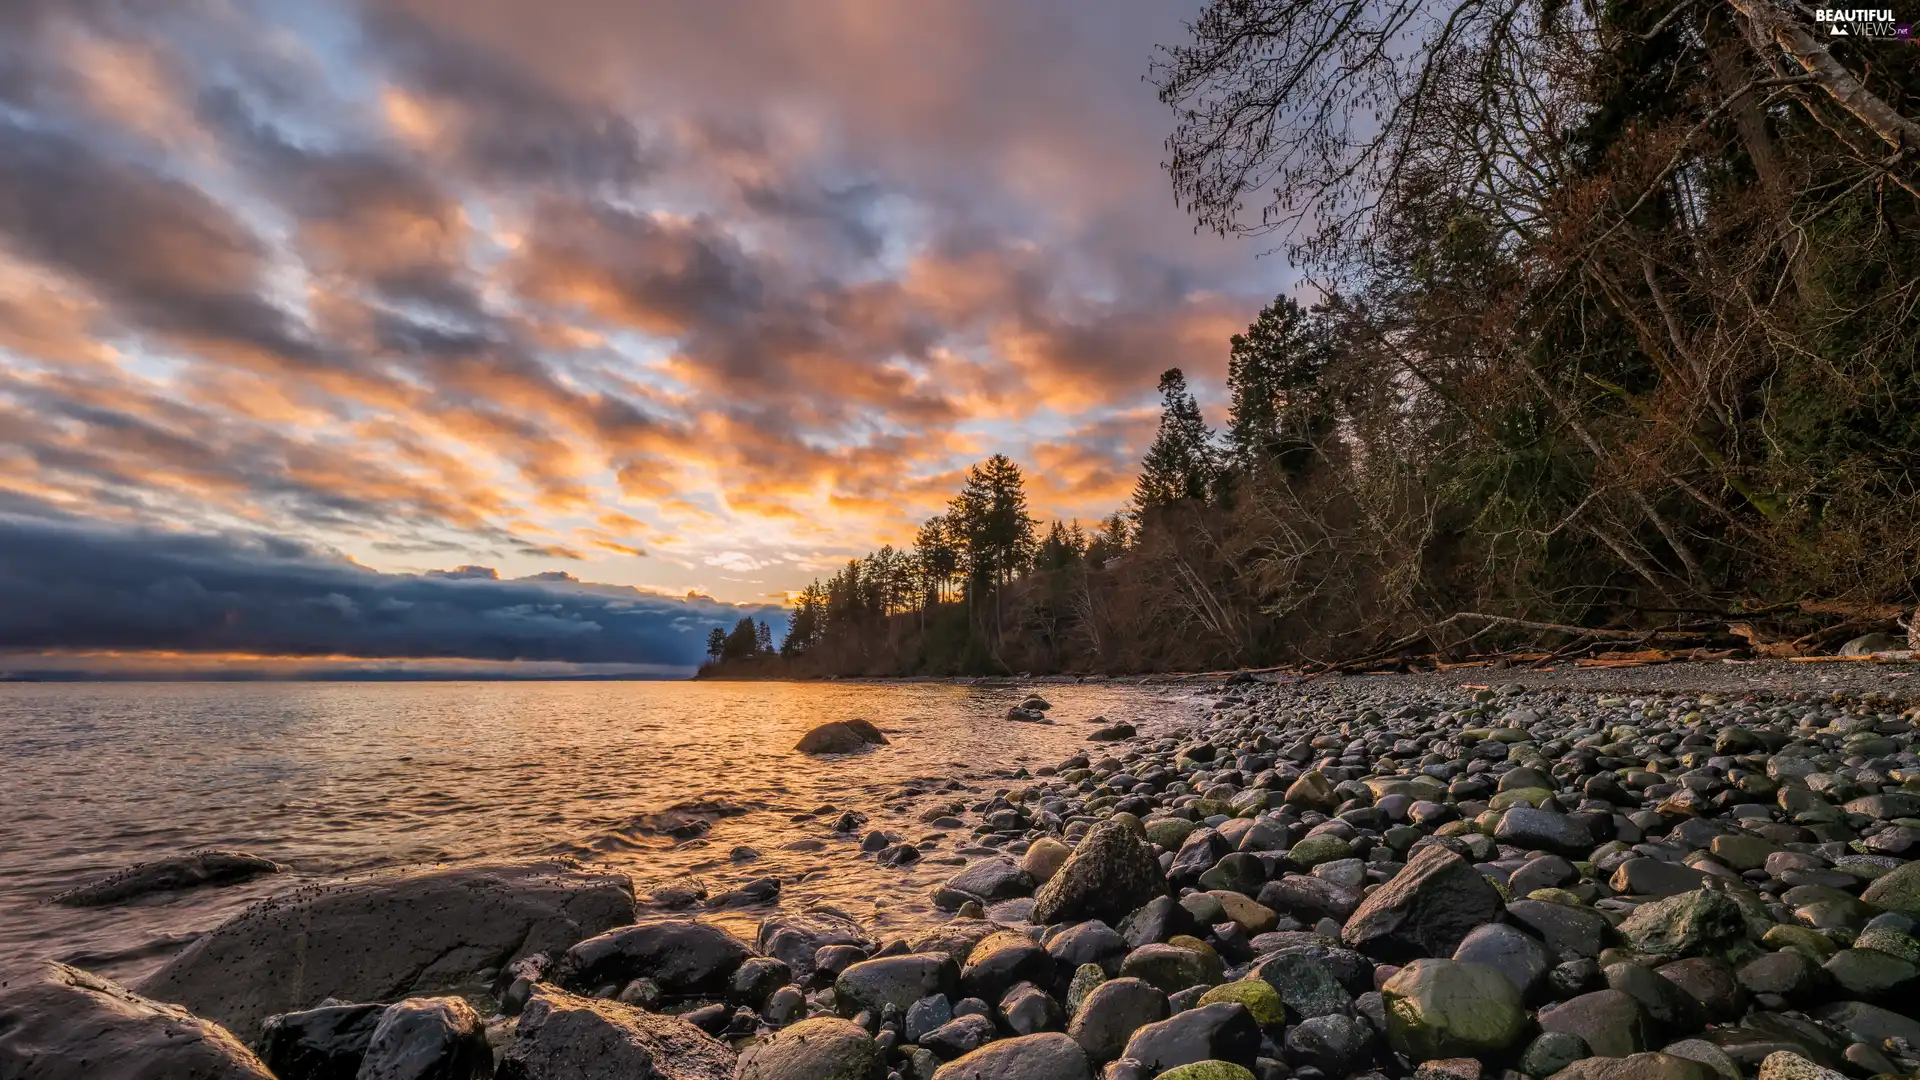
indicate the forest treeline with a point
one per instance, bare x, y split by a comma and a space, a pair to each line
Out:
1613, 319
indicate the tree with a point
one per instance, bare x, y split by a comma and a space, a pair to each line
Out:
937, 551
806, 625
763, 639
1272, 372
990, 516
716, 642
1181, 462
742, 641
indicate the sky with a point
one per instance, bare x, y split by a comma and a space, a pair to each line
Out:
604, 321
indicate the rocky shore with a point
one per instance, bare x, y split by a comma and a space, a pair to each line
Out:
1350, 879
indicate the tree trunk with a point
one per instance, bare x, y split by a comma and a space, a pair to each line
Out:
1779, 24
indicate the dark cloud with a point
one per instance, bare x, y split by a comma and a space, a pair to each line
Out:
66, 586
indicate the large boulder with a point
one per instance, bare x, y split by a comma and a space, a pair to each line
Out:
992, 879
165, 875
1047, 1056
1447, 1009
564, 1037
428, 1039
1637, 1067
1002, 959
680, 956
1897, 891
326, 1043
840, 737
61, 1023
1427, 910
387, 936
1108, 875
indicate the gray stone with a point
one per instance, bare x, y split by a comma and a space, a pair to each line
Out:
1170, 967
1649, 1066
1110, 873
1333, 1044
562, 1036
1544, 830
992, 879
428, 1039
1090, 942
677, 955
795, 937
898, 981
1427, 910
326, 1043
962, 1035
1307, 985
1551, 1051
61, 1023
1001, 959
842, 737
1112, 1013
387, 935
1219, 1032
1565, 929
1612, 1022
1686, 924
1522, 959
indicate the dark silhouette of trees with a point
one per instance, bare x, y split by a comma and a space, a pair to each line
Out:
1182, 463
716, 642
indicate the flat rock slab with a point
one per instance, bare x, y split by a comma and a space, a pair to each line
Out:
187, 871
386, 937
61, 1023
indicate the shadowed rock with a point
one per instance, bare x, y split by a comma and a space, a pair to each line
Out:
565, 1037
387, 936
167, 875
61, 1023
840, 737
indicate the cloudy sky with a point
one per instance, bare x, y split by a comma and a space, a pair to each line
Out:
686, 297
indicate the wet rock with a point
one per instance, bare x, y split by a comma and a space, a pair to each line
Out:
1522, 959
1712, 983
1310, 898
326, 1043
1049, 1056
1208, 1070
1706, 1054
1897, 891
1334, 1044
166, 875
754, 980
1544, 830
992, 879
1110, 874
61, 1023
1090, 942
428, 1039
1445, 1009
1112, 1013
1427, 910
1002, 959
1869, 975
1869, 1023
1671, 1009
375, 937
1613, 1023
818, 1049
1685, 924
960, 1036
1654, 877
1223, 1032
1552, 1051
1171, 968
679, 956
1304, 981
896, 981
1112, 732
1157, 920
563, 1036
794, 937
840, 737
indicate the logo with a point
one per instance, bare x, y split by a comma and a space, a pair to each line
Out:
1862, 22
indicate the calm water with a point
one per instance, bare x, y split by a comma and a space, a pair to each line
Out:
343, 778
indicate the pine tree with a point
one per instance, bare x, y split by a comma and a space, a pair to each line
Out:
1271, 371
937, 552
716, 642
1181, 462
763, 638
990, 516
739, 644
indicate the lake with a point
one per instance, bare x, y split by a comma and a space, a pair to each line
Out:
341, 778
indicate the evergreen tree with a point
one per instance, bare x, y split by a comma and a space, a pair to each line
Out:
990, 515
937, 553
1180, 465
741, 642
763, 638
716, 642
1271, 371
